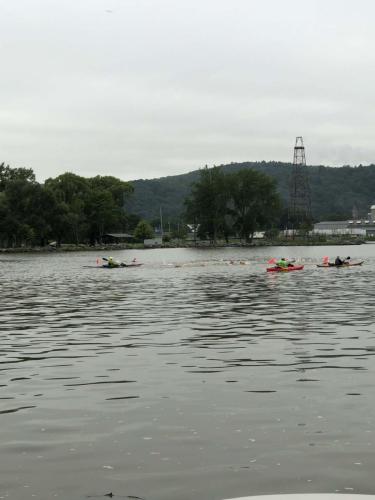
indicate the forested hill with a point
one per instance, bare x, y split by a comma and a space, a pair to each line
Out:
334, 191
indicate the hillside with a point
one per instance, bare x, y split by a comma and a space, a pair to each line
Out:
334, 191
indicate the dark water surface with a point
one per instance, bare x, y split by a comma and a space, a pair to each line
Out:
203, 381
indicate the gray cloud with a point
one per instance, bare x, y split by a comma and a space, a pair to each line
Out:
138, 88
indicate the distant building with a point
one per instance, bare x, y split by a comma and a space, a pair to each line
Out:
354, 227
117, 238
371, 214
153, 242
367, 226
338, 228
258, 235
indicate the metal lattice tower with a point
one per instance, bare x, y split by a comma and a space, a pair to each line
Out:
299, 212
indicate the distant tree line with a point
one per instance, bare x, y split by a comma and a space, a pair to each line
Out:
66, 209
239, 203
236, 199
334, 191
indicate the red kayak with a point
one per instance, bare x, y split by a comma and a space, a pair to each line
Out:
284, 269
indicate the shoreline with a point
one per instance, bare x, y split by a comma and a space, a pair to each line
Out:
201, 245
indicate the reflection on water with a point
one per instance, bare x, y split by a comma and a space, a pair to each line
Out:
183, 380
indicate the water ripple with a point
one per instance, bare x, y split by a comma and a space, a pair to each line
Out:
250, 373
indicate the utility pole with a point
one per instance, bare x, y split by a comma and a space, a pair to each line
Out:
124, 226
161, 222
299, 210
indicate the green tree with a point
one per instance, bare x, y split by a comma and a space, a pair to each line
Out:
68, 187
70, 191
143, 231
207, 205
89, 208
254, 201
102, 213
130, 222
120, 190
180, 232
27, 204
68, 208
105, 205
8, 174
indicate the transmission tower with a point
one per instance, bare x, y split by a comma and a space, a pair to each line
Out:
299, 212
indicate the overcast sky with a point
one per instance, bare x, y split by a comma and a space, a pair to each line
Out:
149, 88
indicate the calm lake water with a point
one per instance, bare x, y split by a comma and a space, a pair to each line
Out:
187, 378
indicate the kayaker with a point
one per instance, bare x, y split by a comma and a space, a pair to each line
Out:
282, 263
112, 262
338, 261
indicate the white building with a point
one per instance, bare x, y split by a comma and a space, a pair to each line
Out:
340, 228
355, 227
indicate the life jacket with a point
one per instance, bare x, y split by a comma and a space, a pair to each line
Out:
282, 263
